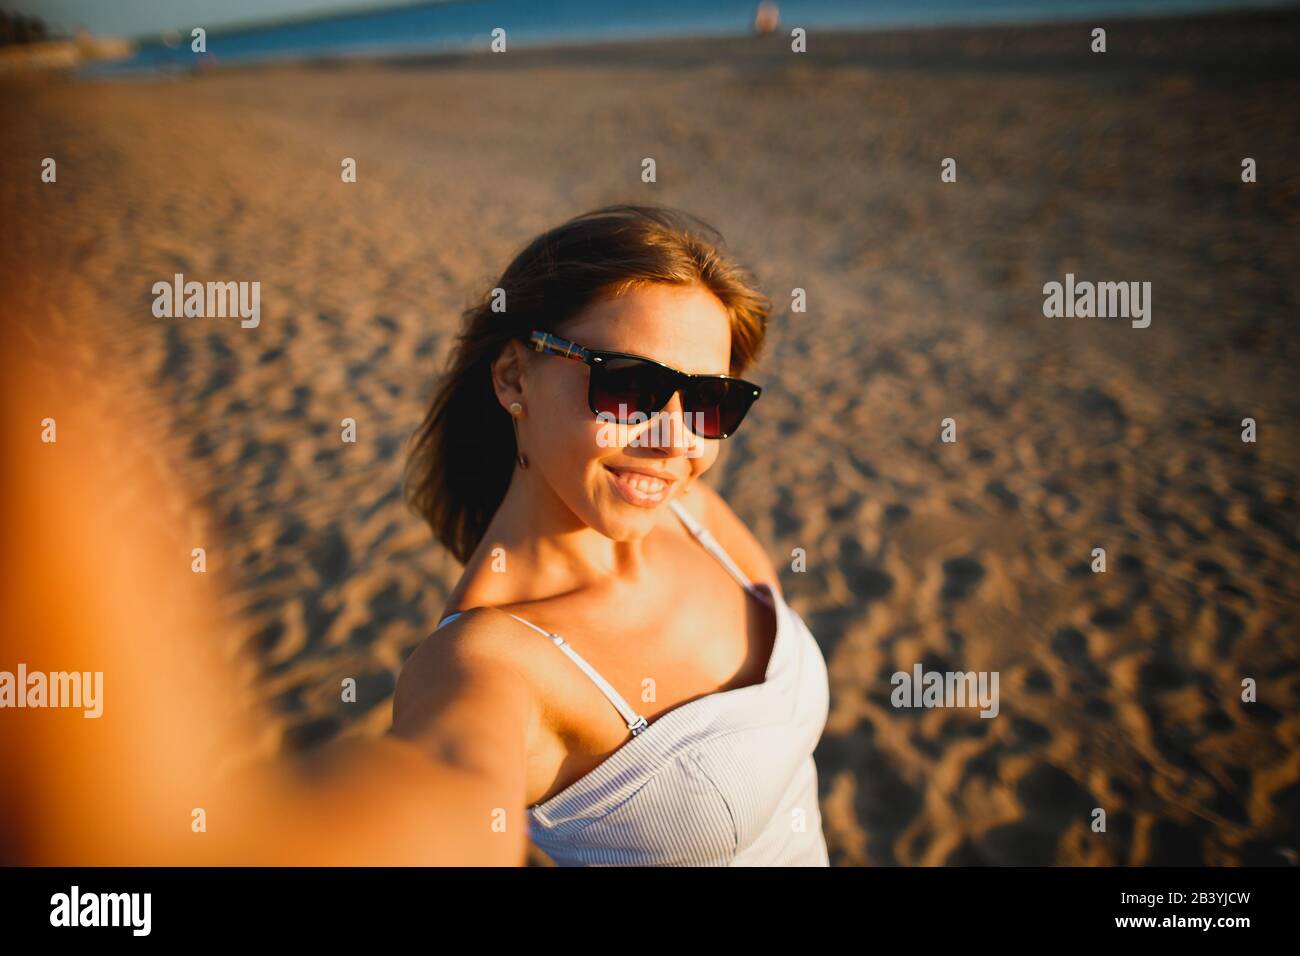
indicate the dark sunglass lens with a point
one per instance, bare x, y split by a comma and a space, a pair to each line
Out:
715, 407
620, 387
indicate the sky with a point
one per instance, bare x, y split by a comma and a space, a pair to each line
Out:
134, 18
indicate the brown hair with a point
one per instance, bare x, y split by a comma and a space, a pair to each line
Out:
462, 456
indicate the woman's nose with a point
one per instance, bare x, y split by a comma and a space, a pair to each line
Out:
667, 429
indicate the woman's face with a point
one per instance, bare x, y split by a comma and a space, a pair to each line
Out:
617, 479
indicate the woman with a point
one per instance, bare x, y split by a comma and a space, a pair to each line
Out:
617, 661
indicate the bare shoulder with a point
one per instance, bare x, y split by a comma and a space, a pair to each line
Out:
712, 510
466, 694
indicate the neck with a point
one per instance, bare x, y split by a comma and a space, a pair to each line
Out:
540, 532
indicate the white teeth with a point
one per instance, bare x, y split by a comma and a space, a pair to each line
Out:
643, 485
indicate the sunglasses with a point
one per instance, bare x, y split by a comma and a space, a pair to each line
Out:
619, 383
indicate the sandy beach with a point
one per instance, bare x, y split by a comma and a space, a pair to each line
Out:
1119, 690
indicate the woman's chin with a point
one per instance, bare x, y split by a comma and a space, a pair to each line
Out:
621, 521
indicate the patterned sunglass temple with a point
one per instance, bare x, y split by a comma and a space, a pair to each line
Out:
554, 345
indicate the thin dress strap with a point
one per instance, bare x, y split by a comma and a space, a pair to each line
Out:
711, 545
635, 722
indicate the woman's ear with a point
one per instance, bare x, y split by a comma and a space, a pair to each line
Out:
508, 373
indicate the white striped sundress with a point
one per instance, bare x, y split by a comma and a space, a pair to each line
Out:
726, 779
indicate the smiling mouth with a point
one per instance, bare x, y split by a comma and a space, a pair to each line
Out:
640, 488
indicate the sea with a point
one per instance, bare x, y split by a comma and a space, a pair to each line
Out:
461, 26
